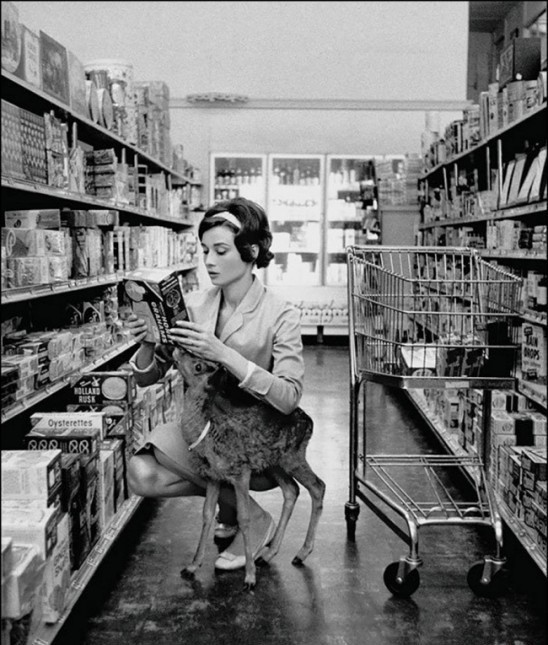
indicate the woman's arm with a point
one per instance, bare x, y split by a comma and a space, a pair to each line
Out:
281, 387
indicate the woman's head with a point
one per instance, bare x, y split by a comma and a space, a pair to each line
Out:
249, 223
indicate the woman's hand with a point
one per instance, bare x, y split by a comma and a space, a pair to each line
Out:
137, 328
197, 340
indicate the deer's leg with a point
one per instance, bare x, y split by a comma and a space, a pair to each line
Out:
241, 488
290, 492
212, 494
316, 487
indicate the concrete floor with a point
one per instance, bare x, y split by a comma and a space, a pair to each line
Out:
338, 597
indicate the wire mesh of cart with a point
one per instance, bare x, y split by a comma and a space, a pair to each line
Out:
430, 318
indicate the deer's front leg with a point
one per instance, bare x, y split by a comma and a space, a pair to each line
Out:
210, 503
241, 488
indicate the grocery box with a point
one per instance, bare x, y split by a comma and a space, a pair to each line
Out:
104, 388
44, 218
156, 295
106, 488
56, 574
23, 585
30, 522
61, 423
30, 473
7, 556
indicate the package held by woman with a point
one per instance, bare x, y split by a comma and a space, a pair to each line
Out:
156, 296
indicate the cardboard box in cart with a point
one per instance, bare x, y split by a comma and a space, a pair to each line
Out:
156, 295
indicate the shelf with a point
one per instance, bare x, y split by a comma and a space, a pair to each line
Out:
505, 213
291, 219
43, 290
45, 634
326, 329
534, 391
298, 251
12, 89
493, 137
14, 410
70, 198
517, 527
535, 317
449, 442
503, 254
522, 532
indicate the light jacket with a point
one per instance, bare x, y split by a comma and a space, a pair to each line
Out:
264, 329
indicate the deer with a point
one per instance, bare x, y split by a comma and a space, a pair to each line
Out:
232, 434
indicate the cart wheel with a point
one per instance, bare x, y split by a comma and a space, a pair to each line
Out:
351, 512
491, 588
407, 587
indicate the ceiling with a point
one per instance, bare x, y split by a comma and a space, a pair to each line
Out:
484, 15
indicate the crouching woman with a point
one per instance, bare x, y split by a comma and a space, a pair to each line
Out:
255, 335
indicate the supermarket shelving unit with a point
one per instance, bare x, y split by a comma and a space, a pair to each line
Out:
494, 152
20, 194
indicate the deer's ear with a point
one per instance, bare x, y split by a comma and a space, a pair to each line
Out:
216, 382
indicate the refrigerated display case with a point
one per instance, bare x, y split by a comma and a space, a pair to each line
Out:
238, 175
295, 210
351, 211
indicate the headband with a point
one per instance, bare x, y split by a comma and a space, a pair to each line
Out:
229, 217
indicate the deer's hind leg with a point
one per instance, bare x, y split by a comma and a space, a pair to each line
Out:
210, 502
316, 487
290, 492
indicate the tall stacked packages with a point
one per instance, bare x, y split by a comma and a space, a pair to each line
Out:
153, 119
34, 519
120, 104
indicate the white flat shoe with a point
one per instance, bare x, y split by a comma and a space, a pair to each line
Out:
227, 561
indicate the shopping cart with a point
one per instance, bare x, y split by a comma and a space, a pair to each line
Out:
427, 317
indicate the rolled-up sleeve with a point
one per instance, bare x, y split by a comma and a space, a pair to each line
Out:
161, 362
282, 386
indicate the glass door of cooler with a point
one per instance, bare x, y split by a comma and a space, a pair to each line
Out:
351, 211
238, 175
295, 210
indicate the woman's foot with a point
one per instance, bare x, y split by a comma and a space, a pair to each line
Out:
262, 529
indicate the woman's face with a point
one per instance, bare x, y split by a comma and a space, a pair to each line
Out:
221, 257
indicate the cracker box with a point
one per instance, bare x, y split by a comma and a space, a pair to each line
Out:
156, 296
116, 389
30, 473
67, 423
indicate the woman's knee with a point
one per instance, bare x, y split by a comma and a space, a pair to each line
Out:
142, 475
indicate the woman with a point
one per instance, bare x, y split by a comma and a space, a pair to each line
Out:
247, 329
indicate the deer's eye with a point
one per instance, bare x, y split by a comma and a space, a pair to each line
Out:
198, 369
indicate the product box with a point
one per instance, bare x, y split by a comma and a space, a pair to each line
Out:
42, 218
54, 66
105, 488
156, 295
70, 425
56, 574
77, 85
7, 556
116, 389
533, 352
29, 68
117, 448
24, 583
34, 474
30, 522
520, 60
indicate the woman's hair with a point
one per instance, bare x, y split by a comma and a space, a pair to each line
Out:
255, 228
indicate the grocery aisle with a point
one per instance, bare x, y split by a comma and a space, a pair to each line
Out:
338, 597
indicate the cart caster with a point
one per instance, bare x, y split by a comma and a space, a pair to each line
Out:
486, 578
401, 584
351, 512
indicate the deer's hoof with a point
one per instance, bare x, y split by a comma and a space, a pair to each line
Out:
188, 573
261, 562
249, 586
298, 562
